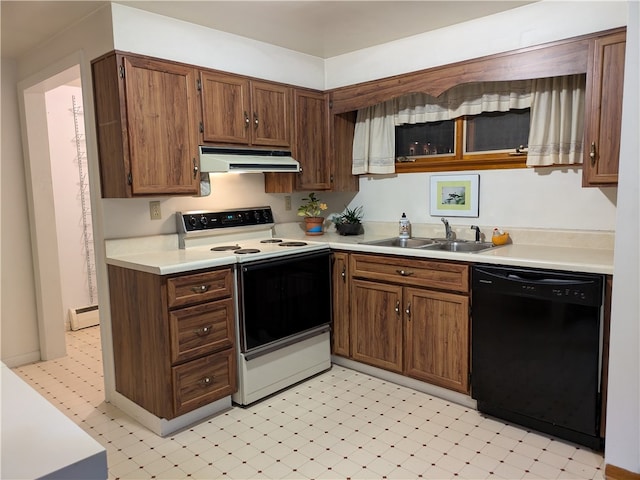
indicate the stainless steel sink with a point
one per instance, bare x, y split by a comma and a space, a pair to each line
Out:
403, 242
461, 246
433, 244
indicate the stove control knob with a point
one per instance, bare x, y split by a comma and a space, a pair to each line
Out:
256, 215
204, 220
192, 221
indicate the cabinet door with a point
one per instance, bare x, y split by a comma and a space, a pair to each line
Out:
162, 119
310, 141
226, 111
270, 115
603, 110
340, 330
376, 324
437, 340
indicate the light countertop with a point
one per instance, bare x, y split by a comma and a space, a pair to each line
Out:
38, 440
169, 260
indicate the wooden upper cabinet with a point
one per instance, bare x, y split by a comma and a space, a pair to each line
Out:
226, 108
310, 146
603, 110
237, 110
322, 143
147, 123
271, 114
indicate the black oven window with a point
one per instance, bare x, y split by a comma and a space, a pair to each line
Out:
284, 297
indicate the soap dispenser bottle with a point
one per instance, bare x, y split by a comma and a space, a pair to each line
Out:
404, 230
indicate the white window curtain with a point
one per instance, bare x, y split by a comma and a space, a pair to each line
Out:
557, 121
467, 99
374, 140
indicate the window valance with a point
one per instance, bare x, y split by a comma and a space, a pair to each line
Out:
557, 118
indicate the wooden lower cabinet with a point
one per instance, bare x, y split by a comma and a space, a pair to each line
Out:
377, 324
400, 324
341, 305
437, 338
173, 338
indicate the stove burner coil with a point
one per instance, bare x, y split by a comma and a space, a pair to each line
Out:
271, 240
292, 244
247, 250
224, 248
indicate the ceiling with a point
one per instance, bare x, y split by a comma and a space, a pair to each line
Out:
320, 28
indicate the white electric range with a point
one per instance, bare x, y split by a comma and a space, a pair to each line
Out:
283, 297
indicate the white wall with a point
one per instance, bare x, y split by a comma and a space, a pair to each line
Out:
508, 198
623, 411
159, 36
67, 201
540, 22
19, 323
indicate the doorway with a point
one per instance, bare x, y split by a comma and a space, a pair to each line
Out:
57, 178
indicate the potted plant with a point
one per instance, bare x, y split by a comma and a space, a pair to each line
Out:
312, 210
349, 222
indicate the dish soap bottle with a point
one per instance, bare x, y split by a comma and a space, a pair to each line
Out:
404, 230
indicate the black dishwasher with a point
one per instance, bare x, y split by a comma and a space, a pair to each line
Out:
536, 349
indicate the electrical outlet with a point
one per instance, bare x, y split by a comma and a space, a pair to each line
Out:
154, 210
287, 202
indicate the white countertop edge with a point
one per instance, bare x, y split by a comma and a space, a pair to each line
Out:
141, 263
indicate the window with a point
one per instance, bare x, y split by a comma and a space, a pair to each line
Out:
484, 141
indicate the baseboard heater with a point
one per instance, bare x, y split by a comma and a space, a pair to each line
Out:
84, 317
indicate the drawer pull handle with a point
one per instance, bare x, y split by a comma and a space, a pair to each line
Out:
404, 273
397, 309
205, 381
200, 289
203, 331
408, 311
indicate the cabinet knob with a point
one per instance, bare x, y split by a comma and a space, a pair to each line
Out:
200, 289
255, 120
195, 168
203, 331
397, 309
344, 274
246, 120
408, 310
592, 153
205, 381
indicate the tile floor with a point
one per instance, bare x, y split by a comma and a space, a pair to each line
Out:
341, 424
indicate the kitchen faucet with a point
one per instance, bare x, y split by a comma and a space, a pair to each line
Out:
477, 229
447, 229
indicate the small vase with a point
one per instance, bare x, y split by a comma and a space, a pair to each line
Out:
314, 225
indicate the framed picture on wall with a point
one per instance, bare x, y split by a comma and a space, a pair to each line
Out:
454, 195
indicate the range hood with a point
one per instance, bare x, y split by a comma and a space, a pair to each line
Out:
246, 160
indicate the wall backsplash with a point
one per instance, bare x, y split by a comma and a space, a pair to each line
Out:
548, 198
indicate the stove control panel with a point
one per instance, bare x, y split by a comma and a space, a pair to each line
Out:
202, 220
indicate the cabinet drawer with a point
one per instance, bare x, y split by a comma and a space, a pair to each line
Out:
411, 271
203, 381
199, 287
201, 329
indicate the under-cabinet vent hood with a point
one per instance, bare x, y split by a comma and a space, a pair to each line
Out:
244, 160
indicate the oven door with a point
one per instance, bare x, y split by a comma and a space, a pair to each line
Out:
283, 301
